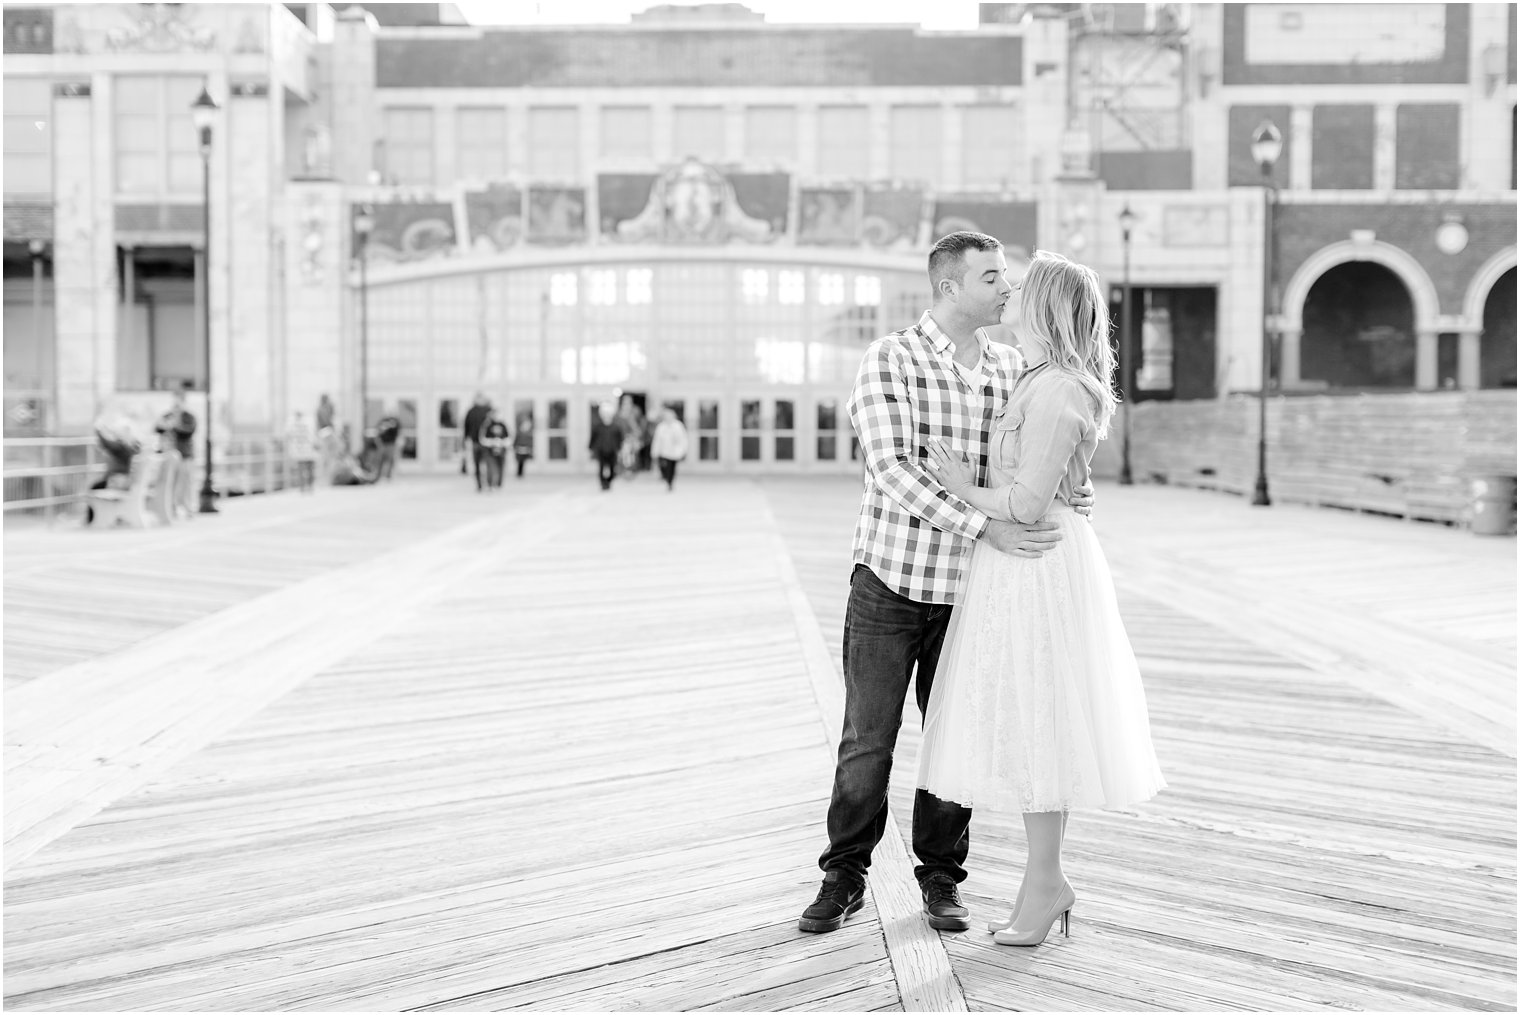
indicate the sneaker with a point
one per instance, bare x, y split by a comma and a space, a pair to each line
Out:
942, 903
838, 897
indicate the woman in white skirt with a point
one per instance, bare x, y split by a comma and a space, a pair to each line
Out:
1038, 706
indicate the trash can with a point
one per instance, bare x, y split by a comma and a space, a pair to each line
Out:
1493, 505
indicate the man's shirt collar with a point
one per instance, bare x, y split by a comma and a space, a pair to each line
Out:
942, 344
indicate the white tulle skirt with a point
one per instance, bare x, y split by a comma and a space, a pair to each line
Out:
1037, 703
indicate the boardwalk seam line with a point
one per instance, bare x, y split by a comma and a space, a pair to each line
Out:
926, 981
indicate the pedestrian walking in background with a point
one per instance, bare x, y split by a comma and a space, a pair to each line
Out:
670, 445
493, 437
473, 421
387, 433
177, 426
606, 443
325, 413
522, 440
633, 456
301, 448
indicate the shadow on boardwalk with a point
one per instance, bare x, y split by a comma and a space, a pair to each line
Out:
407, 747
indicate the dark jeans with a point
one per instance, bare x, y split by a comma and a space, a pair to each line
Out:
387, 464
495, 465
668, 471
606, 469
521, 461
885, 636
479, 455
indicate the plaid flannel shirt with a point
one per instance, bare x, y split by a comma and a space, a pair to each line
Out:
913, 534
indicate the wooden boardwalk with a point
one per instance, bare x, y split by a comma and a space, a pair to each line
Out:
401, 748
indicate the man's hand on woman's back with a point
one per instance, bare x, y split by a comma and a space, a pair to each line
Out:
1082, 500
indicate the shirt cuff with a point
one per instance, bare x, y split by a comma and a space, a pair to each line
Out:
977, 522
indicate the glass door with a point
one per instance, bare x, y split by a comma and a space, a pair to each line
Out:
707, 438
834, 445
406, 412
557, 431
449, 439
769, 435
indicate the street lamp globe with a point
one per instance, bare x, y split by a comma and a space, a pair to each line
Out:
364, 220
1266, 146
1127, 221
203, 112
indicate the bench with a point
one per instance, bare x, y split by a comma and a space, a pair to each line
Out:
149, 472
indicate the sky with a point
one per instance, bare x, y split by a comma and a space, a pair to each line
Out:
943, 15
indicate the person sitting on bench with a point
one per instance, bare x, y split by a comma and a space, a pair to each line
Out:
119, 444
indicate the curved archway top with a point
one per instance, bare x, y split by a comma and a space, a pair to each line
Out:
1422, 291
563, 257
1483, 283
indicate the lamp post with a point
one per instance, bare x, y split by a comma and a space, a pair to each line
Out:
36, 248
1266, 148
364, 224
1126, 351
203, 111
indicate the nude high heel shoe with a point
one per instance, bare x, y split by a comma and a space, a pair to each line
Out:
1060, 909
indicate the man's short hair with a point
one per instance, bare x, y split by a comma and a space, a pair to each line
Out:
948, 257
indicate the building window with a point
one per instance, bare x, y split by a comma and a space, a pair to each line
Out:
1429, 138
563, 290
914, 148
789, 287
1342, 146
157, 147
770, 135
481, 136
603, 288
627, 132
409, 145
640, 286
28, 136
987, 145
867, 291
830, 289
844, 142
754, 283
698, 133
554, 143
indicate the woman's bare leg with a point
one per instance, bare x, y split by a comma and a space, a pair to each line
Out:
1036, 864
1044, 878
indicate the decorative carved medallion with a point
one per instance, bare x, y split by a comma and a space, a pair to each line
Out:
160, 28
693, 203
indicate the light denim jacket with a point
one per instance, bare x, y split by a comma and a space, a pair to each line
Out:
1042, 443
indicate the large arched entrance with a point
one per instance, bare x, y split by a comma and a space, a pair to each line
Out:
1497, 357
1359, 329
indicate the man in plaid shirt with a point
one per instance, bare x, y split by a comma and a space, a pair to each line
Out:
939, 378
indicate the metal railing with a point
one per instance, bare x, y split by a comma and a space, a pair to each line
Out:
50, 475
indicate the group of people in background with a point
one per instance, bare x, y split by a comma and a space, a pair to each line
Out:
623, 443
488, 439
321, 447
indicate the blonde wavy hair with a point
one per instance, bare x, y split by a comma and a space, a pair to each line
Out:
1064, 311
